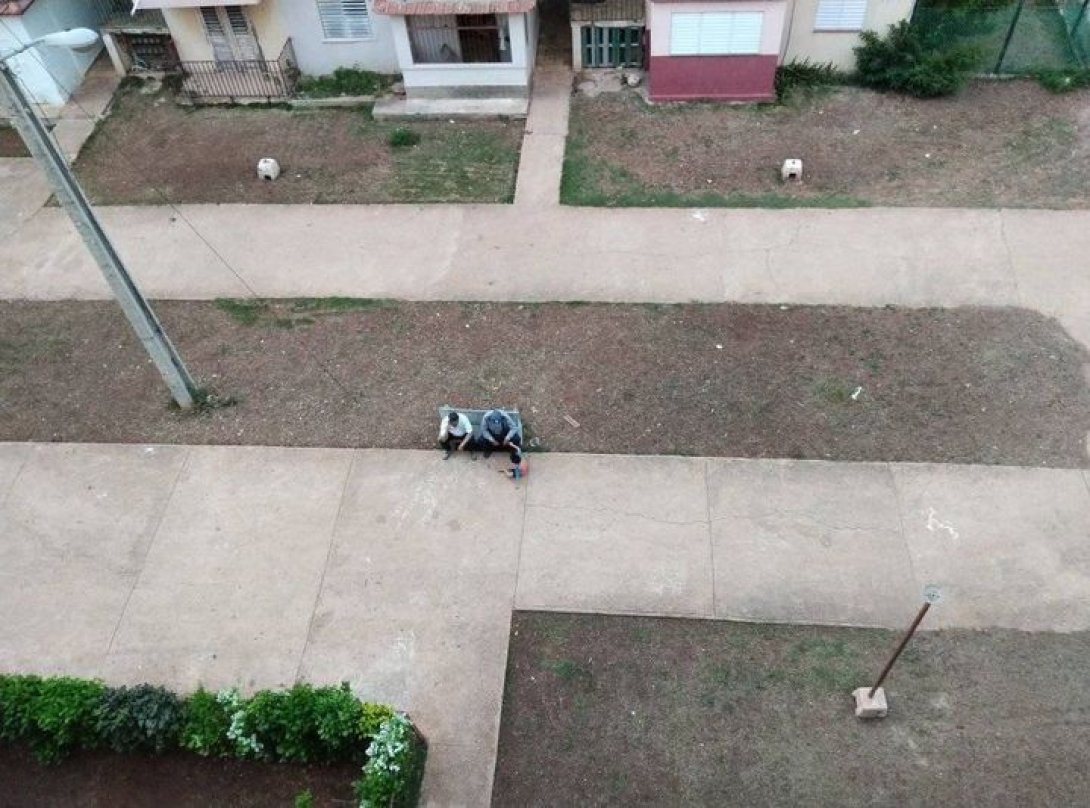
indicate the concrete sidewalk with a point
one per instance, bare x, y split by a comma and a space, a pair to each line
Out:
910, 257
255, 566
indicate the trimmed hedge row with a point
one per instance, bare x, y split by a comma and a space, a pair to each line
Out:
55, 716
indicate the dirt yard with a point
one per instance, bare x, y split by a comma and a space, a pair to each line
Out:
1000, 386
150, 150
11, 143
998, 144
106, 780
628, 711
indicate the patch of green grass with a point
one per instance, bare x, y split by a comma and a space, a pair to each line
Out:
456, 165
593, 183
345, 81
338, 304
833, 391
243, 312
825, 665
402, 137
568, 670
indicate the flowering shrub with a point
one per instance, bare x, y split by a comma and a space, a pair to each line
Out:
242, 738
56, 715
395, 766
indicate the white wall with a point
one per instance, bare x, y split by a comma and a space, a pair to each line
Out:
49, 75
515, 73
191, 40
803, 42
316, 55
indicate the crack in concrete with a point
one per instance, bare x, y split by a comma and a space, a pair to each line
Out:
1010, 257
325, 567
152, 535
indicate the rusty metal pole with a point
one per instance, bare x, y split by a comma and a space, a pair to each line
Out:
901, 647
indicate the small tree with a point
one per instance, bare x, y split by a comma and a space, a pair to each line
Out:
926, 62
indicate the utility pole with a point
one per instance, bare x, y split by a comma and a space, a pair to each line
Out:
69, 193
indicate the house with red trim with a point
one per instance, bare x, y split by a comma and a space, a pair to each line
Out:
722, 50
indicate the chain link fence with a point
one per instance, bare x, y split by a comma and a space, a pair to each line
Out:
1012, 37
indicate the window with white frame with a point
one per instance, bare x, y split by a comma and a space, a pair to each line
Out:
713, 33
345, 19
840, 15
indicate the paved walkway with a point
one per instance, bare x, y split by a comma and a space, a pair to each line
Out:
911, 257
541, 160
254, 566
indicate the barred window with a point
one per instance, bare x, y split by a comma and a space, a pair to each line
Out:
345, 19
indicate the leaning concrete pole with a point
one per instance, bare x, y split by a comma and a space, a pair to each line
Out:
72, 199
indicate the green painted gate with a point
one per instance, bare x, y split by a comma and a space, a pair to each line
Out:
612, 46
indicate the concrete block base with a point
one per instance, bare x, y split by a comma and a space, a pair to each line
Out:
868, 707
450, 108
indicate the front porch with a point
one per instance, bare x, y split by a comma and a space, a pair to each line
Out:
480, 52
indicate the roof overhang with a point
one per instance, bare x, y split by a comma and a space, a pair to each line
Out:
13, 8
140, 5
436, 7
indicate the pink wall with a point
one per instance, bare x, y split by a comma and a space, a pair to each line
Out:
718, 78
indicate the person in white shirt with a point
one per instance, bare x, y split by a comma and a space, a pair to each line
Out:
455, 431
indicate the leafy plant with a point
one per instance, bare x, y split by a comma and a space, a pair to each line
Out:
18, 696
52, 716
144, 718
307, 724
372, 718
402, 137
345, 81
918, 60
304, 799
240, 735
394, 768
1063, 80
805, 75
205, 722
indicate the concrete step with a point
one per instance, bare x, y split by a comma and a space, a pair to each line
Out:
447, 108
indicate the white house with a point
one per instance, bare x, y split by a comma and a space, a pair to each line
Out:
48, 75
443, 48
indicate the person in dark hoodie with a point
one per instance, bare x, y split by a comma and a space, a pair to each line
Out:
500, 432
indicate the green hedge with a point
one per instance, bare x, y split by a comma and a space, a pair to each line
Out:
305, 724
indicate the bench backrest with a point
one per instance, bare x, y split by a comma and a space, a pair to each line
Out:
475, 416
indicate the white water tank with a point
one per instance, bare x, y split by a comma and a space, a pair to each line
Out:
268, 168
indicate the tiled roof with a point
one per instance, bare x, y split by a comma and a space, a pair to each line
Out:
13, 8
453, 6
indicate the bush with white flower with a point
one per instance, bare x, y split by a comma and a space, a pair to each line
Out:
394, 768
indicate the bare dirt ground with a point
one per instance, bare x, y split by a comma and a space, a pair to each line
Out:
1003, 386
149, 150
603, 710
997, 144
11, 143
106, 780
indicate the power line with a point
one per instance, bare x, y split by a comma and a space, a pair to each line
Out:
253, 295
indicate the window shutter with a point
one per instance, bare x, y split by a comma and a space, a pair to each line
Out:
840, 15
685, 34
345, 19
712, 33
212, 22
237, 18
